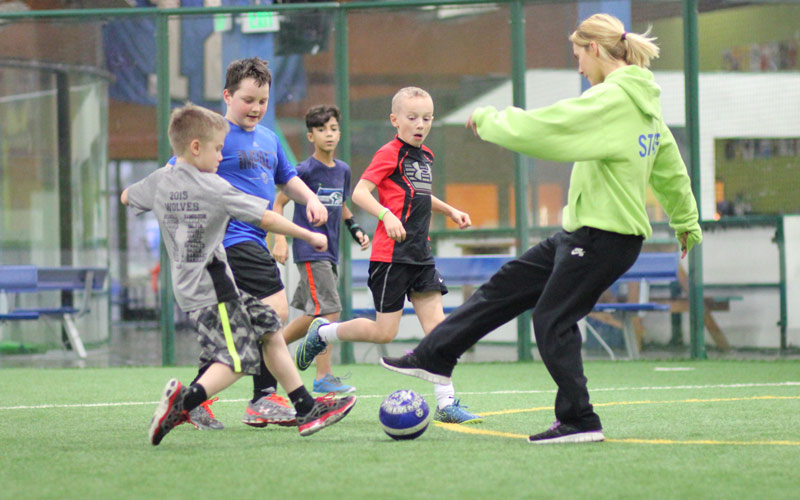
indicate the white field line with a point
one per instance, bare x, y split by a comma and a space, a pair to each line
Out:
489, 393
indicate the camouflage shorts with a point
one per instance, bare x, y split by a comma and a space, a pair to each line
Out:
249, 320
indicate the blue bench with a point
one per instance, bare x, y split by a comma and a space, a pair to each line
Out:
649, 268
16, 279
33, 279
457, 271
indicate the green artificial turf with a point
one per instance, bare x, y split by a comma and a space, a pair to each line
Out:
674, 429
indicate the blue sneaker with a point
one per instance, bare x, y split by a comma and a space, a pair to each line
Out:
332, 383
456, 414
311, 345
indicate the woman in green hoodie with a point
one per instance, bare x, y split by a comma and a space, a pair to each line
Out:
616, 137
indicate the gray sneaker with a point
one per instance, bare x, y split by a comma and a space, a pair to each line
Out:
327, 411
311, 345
169, 412
203, 418
270, 409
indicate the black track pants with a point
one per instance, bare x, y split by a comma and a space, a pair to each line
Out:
561, 278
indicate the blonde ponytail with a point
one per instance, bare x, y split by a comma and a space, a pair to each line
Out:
614, 42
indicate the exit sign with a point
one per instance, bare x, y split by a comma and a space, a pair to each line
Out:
222, 22
259, 22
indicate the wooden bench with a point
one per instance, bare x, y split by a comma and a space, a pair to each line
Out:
711, 303
649, 269
32, 279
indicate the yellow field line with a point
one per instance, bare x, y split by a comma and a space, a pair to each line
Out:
705, 441
646, 402
694, 400
464, 429
509, 412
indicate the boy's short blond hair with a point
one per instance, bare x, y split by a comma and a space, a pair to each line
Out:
405, 93
192, 122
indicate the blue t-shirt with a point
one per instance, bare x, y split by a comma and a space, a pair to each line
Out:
253, 162
331, 185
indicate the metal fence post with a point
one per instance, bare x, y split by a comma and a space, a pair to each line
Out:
690, 62
520, 167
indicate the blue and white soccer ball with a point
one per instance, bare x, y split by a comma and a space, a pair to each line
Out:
404, 414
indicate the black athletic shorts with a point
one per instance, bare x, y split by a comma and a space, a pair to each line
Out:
254, 269
391, 282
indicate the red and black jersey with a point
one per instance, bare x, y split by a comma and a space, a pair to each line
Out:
404, 176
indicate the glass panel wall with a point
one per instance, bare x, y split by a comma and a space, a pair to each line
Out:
53, 163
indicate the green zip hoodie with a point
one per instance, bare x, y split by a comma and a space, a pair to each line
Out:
619, 142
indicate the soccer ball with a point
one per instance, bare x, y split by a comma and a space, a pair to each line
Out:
404, 414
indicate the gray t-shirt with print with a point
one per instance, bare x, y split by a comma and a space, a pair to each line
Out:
193, 209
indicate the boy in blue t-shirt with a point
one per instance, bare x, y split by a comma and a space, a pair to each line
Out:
316, 294
254, 162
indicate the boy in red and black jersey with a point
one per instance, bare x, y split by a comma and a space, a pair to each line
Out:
402, 174
401, 264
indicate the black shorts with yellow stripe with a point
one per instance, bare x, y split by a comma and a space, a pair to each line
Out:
230, 332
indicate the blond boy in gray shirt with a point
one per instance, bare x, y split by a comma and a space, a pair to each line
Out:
193, 206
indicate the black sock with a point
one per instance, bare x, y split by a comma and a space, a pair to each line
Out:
195, 396
263, 381
302, 400
200, 373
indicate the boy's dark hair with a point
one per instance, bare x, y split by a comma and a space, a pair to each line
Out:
252, 67
319, 116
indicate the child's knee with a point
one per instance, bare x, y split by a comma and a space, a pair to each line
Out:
385, 328
384, 336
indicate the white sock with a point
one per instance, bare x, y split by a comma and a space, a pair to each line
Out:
445, 395
328, 333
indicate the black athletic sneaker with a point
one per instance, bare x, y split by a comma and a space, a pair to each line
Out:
410, 364
565, 433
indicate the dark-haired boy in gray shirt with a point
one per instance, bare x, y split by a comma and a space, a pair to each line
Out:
193, 206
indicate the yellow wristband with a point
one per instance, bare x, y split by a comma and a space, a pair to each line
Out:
382, 213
